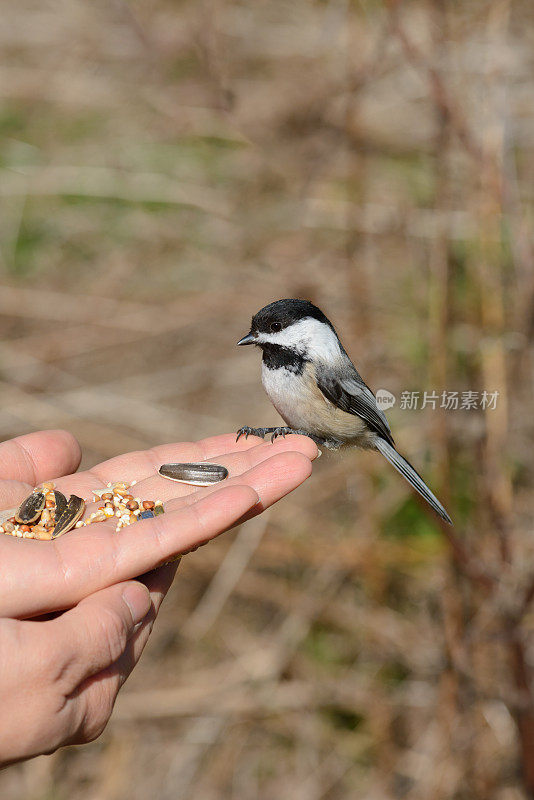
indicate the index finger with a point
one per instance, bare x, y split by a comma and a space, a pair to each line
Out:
142, 464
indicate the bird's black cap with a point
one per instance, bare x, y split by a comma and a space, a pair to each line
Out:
286, 312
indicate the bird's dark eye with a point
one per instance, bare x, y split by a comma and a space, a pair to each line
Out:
275, 327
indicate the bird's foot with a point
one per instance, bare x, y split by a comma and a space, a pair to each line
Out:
281, 430
247, 431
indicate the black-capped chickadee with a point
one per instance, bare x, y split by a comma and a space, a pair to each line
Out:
316, 388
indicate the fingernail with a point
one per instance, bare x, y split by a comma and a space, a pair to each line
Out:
137, 598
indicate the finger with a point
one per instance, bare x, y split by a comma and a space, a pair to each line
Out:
94, 634
93, 702
272, 478
73, 566
239, 458
158, 582
97, 694
143, 464
139, 464
189, 523
238, 464
36, 457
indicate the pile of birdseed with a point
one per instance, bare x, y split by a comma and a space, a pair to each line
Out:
38, 516
120, 503
59, 516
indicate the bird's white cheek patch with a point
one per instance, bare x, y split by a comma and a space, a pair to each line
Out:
307, 336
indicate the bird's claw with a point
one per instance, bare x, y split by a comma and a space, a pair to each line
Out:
281, 431
247, 431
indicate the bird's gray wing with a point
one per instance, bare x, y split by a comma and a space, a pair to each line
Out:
351, 394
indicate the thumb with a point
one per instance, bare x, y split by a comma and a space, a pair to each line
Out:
94, 634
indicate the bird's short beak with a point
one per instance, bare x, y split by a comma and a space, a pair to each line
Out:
250, 338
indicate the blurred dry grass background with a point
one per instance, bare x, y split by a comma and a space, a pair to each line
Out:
165, 170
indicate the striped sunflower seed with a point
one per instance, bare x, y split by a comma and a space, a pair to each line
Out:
70, 516
30, 509
196, 474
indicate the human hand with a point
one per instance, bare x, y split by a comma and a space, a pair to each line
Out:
59, 677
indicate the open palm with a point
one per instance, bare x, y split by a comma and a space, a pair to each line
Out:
76, 662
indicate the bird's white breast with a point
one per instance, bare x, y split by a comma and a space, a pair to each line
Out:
300, 402
286, 389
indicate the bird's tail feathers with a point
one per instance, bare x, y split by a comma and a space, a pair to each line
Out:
413, 477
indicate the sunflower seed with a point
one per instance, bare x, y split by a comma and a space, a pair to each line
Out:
70, 516
61, 503
199, 474
30, 509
